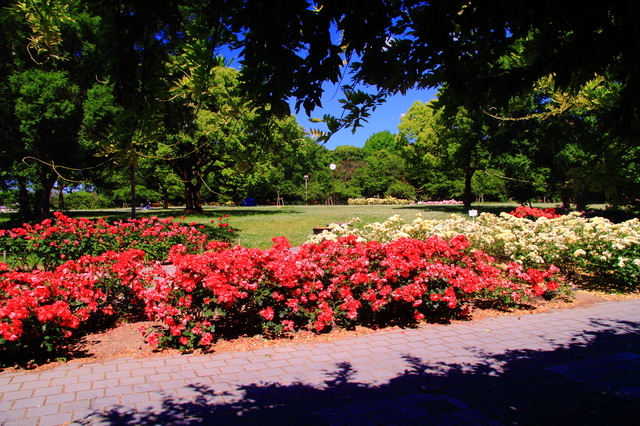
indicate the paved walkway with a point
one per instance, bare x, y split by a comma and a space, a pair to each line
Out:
571, 367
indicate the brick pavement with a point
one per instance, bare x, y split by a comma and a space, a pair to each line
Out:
573, 366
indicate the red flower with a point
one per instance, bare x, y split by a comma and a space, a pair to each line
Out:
267, 313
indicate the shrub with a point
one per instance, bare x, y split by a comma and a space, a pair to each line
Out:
42, 312
532, 213
52, 242
336, 283
376, 201
82, 200
594, 252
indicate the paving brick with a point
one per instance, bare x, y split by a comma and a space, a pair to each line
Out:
156, 378
25, 422
64, 380
146, 387
104, 402
28, 402
141, 372
119, 390
277, 363
134, 380
12, 387
177, 361
60, 398
183, 375
55, 419
103, 384
152, 363
413, 412
21, 378
89, 394
12, 415
132, 366
333, 414
43, 410
78, 409
231, 369
12, 396
77, 387
254, 366
215, 363
273, 373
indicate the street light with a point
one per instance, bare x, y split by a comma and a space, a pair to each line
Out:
333, 167
306, 196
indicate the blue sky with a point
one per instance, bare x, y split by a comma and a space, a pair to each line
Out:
385, 117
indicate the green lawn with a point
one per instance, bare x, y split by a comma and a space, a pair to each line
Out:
256, 226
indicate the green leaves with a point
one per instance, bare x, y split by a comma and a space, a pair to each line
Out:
46, 18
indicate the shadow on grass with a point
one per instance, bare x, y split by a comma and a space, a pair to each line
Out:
178, 212
459, 209
592, 380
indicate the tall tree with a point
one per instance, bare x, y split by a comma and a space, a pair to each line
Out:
445, 150
209, 134
43, 98
381, 140
290, 51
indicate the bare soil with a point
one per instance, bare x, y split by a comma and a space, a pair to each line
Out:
127, 340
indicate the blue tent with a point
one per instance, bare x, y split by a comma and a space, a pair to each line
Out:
249, 202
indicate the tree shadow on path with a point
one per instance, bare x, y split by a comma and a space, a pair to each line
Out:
593, 380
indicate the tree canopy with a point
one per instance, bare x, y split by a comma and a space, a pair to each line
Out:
486, 51
494, 61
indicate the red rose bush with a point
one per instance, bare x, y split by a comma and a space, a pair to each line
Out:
52, 242
43, 311
339, 283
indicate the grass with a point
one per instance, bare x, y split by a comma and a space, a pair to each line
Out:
256, 226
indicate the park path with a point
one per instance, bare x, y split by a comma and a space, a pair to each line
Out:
571, 366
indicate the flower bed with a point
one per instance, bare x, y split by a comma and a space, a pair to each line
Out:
41, 312
235, 290
52, 242
393, 273
377, 201
451, 202
593, 252
337, 283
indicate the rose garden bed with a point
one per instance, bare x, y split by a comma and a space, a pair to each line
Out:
217, 294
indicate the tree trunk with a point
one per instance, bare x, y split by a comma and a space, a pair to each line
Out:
565, 194
184, 169
468, 192
23, 200
61, 196
43, 198
581, 202
165, 198
192, 196
132, 177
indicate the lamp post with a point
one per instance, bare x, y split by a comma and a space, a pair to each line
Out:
332, 166
306, 196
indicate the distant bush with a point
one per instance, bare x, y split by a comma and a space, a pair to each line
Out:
401, 190
80, 200
377, 201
